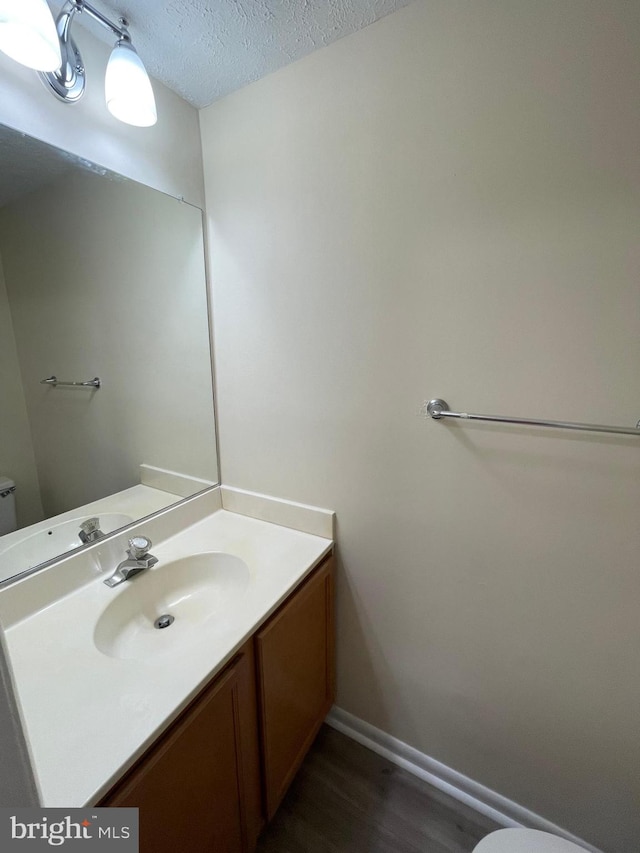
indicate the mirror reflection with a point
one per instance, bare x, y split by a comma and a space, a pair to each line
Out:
100, 278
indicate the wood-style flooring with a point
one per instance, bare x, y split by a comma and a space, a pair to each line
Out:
347, 799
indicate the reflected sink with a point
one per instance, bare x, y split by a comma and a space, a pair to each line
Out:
194, 590
49, 541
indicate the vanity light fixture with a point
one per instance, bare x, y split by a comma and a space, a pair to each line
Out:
128, 91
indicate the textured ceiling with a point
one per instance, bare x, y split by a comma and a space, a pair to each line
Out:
204, 49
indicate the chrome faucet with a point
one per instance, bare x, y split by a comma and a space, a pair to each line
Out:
139, 559
90, 530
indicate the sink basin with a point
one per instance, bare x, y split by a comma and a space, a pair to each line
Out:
194, 590
51, 540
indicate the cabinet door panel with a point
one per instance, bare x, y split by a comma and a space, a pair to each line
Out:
190, 787
296, 680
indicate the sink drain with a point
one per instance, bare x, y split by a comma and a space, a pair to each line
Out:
164, 621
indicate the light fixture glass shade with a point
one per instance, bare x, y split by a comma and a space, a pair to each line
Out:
28, 34
127, 87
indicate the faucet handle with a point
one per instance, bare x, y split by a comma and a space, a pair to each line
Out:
90, 530
139, 547
90, 525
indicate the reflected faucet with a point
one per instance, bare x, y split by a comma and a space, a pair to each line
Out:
139, 560
90, 530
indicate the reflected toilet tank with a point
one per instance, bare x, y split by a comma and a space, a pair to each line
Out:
7, 506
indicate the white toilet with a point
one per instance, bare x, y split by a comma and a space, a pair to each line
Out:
525, 841
7, 506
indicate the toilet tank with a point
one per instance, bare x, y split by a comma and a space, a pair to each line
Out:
7, 506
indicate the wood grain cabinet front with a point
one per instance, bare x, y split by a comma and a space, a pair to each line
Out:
296, 682
208, 782
198, 787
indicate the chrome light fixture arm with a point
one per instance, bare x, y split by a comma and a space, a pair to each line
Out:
69, 82
119, 30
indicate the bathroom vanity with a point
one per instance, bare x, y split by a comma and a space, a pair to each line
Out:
203, 724
200, 786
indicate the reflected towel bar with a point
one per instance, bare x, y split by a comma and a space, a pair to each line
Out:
439, 409
53, 381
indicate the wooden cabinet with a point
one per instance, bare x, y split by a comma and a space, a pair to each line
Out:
295, 654
208, 782
198, 788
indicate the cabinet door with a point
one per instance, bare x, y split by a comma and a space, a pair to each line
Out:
295, 653
192, 787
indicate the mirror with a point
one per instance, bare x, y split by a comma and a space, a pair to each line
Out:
100, 277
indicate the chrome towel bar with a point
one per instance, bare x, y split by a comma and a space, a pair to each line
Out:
54, 381
438, 409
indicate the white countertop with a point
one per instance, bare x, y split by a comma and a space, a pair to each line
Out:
89, 716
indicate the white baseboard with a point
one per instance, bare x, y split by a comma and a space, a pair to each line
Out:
503, 811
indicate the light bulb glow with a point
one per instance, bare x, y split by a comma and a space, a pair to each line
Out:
28, 34
128, 89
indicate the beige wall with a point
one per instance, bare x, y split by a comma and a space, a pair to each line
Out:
125, 302
16, 450
166, 156
447, 204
